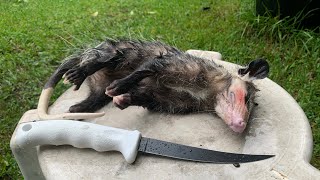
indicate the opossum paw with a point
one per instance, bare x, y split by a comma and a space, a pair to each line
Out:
77, 108
122, 101
117, 87
75, 76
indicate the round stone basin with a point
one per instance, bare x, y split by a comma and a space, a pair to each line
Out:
278, 126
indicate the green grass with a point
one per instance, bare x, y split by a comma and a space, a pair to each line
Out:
37, 35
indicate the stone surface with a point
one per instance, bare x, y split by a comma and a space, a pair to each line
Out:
278, 126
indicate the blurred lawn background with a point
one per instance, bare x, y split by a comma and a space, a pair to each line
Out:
35, 36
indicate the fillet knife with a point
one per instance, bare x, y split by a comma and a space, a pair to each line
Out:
129, 143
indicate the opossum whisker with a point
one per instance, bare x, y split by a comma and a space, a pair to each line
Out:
226, 99
207, 110
257, 119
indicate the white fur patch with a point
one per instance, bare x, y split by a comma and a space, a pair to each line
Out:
247, 78
203, 94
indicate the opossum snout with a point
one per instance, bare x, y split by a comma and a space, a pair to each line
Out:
238, 125
236, 118
232, 106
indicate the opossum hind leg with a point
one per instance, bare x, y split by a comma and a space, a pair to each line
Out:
97, 98
95, 101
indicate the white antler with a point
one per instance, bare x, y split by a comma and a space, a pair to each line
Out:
43, 105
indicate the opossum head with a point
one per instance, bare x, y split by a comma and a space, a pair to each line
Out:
234, 104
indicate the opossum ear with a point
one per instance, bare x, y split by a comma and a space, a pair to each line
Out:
257, 69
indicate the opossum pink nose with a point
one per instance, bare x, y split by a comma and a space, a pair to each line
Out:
238, 125
241, 122
237, 122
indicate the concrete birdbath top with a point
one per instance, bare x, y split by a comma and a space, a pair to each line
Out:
278, 126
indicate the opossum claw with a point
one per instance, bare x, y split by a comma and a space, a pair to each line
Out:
75, 76
122, 101
117, 87
65, 81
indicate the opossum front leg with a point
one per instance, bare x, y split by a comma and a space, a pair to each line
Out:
123, 85
122, 101
160, 99
135, 97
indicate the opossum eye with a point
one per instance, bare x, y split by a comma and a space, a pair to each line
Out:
232, 97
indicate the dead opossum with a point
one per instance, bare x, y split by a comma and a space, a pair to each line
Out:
158, 77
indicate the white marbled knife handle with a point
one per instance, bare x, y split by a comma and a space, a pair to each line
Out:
80, 135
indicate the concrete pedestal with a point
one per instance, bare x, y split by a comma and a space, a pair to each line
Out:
279, 127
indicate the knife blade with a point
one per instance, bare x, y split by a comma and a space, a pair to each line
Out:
129, 143
179, 151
